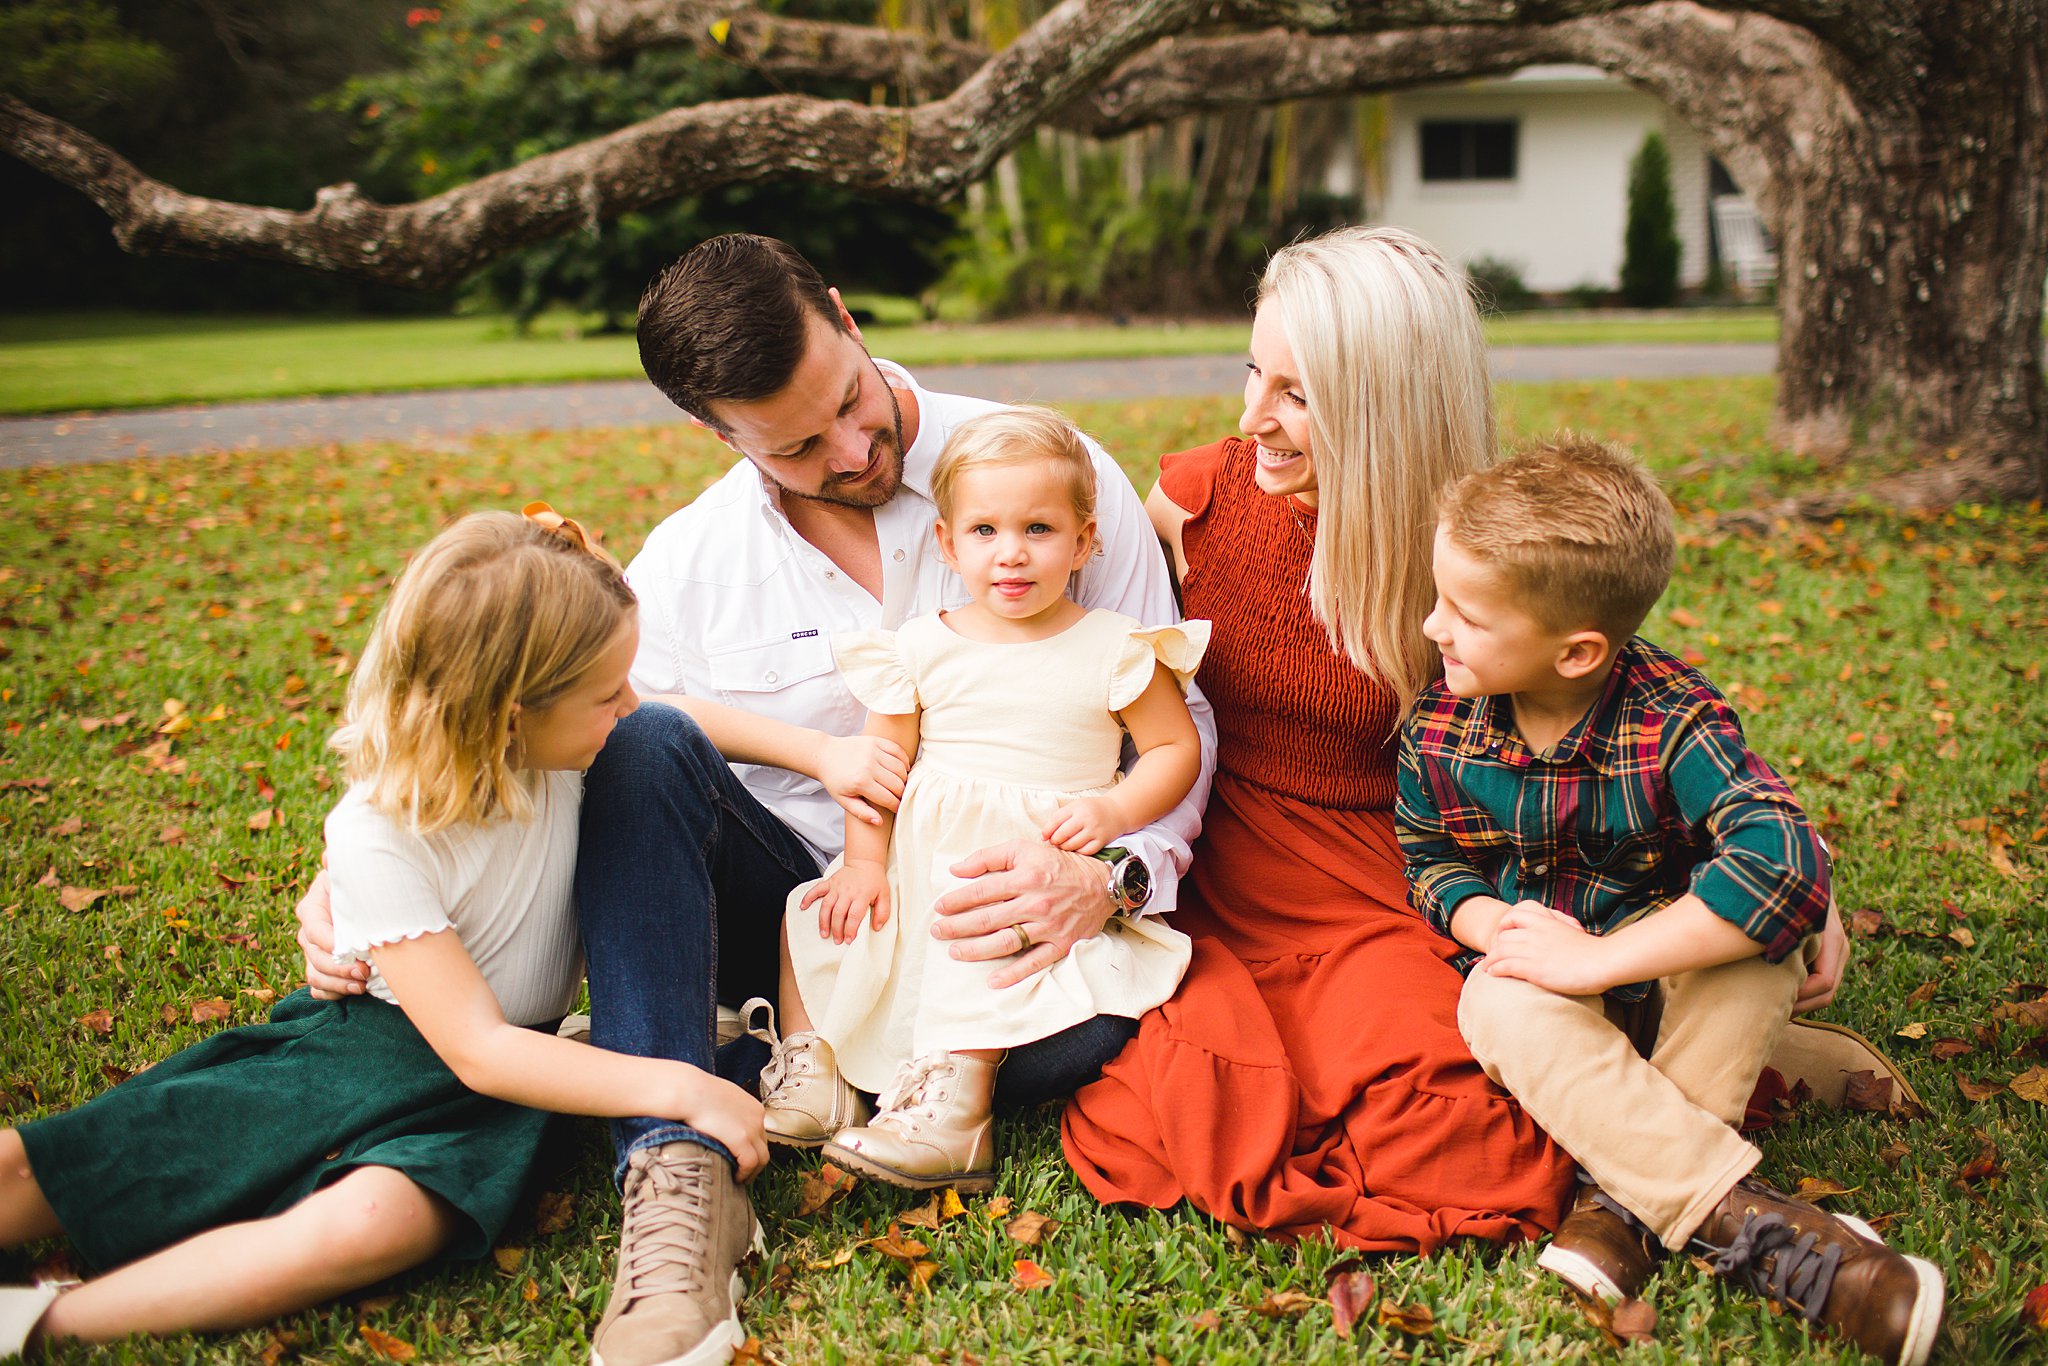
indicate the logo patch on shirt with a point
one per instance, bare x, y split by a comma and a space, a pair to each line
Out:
803, 635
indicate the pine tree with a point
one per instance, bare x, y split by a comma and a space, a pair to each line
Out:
1650, 248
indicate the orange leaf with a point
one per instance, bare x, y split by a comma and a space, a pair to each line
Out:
1031, 1228
530, 1291
385, 1345
78, 898
65, 829
998, 1207
508, 1258
171, 834
1350, 1291
1416, 1320
1812, 1188
1282, 1304
262, 819
2035, 1306
821, 1187
553, 1213
98, 1021
1208, 1320
1634, 1321
2031, 1084
1685, 620
1029, 1275
207, 1011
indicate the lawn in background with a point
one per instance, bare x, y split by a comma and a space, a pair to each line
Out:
65, 362
174, 640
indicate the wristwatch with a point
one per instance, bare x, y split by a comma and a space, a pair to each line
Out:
1130, 881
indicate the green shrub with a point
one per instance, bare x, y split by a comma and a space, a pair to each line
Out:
1650, 248
1500, 285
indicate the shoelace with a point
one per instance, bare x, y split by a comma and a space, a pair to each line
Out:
668, 1228
912, 1094
1797, 1276
792, 1060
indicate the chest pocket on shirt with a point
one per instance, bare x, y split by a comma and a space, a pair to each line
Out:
1629, 859
770, 666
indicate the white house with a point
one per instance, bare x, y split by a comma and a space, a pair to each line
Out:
1530, 169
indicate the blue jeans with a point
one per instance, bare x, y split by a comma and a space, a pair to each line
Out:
680, 883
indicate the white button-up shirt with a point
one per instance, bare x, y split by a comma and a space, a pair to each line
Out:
737, 608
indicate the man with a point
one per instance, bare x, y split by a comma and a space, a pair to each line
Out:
825, 525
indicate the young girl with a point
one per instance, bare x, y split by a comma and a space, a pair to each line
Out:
1012, 708
370, 1134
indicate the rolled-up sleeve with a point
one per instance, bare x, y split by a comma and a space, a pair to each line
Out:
1768, 874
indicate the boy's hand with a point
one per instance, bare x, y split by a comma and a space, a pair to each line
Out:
863, 772
732, 1116
854, 890
1551, 950
1085, 825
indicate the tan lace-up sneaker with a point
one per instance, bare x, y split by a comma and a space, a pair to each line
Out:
934, 1128
805, 1098
676, 1299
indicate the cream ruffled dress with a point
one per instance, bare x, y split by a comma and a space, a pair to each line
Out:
1008, 733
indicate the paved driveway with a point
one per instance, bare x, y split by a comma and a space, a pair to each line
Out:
452, 413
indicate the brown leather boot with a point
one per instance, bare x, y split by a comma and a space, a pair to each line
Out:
1826, 1270
1601, 1250
934, 1128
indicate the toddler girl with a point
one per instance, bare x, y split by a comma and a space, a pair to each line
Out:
372, 1133
1012, 707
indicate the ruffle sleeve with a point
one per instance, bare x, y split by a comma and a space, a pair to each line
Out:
1179, 648
875, 672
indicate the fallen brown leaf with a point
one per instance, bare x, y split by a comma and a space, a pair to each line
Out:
1868, 1092
262, 819
554, 1212
1351, 1290
897, 1247
997, 1207
209, 1010
530, 1291
1416, 1320
78, 898
839, 1258
98, 1021
385, 1345
1866, 923
1031, 1228
2031, 1084
1916, 1030
752, 1353
2035, 1308
1812, 1188
1208, 1321
171, 834
1026, 1274
65, 829
1949, 1049
924, 1216
1921, 995
1684, 620
1974, 1091
821, 1187
1892, 1154
1283, 1304
508, 1258
282, 1342
1983, 1167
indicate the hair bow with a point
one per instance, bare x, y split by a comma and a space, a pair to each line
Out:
568, 528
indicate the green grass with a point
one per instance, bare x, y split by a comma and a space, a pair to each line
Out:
69, 361
1891, 666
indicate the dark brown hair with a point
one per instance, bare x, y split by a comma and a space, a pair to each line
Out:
728, 321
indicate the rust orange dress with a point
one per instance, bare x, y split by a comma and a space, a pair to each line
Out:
1308, 1074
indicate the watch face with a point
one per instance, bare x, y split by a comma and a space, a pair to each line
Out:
1134, 883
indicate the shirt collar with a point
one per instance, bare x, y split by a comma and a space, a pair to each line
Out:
918, 461
1491, 728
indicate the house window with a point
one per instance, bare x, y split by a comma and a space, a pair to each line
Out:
1468, 149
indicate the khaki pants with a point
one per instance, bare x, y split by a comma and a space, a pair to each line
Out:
1646, 1097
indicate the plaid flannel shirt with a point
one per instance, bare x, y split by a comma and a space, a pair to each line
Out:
1653, 793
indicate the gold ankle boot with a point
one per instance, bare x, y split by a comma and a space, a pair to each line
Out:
934, 1128
805, 1098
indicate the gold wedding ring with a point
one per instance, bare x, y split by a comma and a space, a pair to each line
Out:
1023, 938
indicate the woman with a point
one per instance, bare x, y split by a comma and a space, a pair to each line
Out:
1310, 1073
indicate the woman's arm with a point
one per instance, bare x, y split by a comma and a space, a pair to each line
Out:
864, 774
438, 986
1168, 517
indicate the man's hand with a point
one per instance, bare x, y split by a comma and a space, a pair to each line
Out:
1086, 825
1824, 974
330, 978
1059, 898
855, 889
1551, 950
863, 772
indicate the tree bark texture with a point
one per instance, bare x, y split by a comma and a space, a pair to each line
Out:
1897, 149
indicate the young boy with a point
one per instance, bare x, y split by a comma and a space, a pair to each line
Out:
1581, 809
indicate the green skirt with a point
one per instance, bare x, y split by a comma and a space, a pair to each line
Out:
251, 1121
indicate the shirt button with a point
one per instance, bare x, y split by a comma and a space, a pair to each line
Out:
898, 557
770, 676
831, 574
1540, 869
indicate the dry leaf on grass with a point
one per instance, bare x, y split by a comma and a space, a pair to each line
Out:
78, 898
2035, 1308
98, 1021
1284, 1304
209, 1010
1031, 1228
1812, 1188
387, 1346
1916, 1030
554, 1212
65, 829
2031, 1084
1416, 1320
530, 1291
1026, 1274
508, 1258
997, 1207
821, 1187
1351, 1290
1977, 1090
1634, 1321
1949, 1049
839, 1258
1208, 1321
1868, 1092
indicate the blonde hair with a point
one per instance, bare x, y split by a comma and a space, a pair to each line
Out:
1578, 529
1021, 435
1392, 362
497, 612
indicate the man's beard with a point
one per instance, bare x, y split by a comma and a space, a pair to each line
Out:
875, 488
